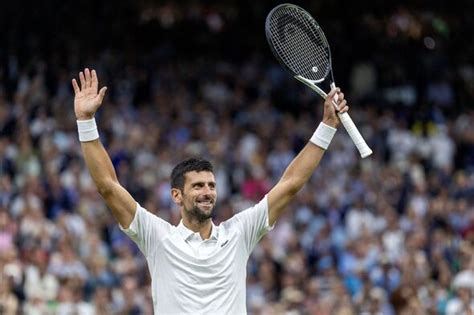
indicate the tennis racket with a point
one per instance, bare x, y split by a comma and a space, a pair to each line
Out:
298, 42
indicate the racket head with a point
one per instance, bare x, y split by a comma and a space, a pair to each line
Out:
298, 42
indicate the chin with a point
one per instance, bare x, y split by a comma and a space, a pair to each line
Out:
206, 213
201, 214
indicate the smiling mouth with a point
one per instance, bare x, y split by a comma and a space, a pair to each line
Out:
206, 203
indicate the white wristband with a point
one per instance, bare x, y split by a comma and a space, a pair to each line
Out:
87, 130
323, 135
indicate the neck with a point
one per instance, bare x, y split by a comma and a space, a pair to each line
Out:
203, 228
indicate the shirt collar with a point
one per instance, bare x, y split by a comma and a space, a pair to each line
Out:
187, 233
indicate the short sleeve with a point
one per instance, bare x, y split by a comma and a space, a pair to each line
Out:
147, 230
253, 223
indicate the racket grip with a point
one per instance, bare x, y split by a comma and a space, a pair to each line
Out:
355, 135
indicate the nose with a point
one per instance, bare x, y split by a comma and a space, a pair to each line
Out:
208, 190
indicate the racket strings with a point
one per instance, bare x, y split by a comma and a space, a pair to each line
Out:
299, 42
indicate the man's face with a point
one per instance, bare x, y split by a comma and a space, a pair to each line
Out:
199, 195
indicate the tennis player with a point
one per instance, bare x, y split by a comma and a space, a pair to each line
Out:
196, 267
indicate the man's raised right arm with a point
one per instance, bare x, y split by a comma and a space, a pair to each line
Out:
87, 101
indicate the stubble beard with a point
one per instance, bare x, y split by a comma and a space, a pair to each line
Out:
199, 215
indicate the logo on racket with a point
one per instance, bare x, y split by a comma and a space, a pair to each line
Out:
314, 69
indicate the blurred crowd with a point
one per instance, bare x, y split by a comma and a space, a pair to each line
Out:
390, 234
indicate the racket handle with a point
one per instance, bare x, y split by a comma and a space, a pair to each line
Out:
352, 130
355, 135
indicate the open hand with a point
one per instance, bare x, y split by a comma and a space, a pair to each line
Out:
87, 100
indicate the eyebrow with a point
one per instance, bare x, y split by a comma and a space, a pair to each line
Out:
203, 183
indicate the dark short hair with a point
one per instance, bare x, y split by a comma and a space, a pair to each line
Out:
189, 165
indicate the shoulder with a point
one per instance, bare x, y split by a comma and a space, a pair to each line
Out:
146, 220
250, 213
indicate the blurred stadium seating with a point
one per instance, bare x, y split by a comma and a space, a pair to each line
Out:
391, 234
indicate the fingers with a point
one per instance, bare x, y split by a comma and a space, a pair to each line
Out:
344, 110
95, 81
340, 97
102, 93
88, 76
343, 107
88, 79
339, 101
330, 98
75, 86
335, 98
83, 80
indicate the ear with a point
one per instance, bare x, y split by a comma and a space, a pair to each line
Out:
177, 196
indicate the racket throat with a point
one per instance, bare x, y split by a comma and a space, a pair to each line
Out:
312, 85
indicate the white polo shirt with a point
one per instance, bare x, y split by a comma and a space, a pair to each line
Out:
194, 276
